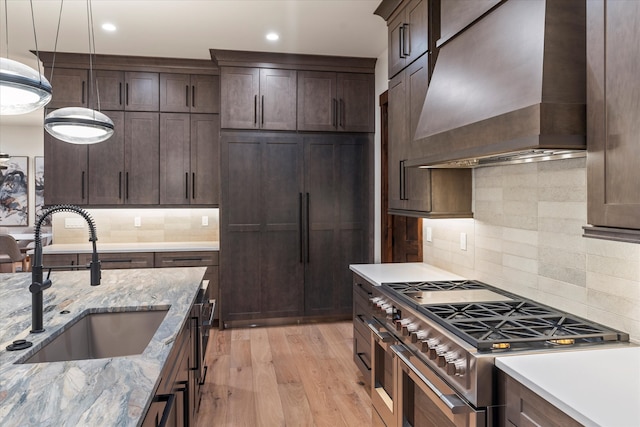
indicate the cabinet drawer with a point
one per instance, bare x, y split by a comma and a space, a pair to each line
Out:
186, 259
120, 260
362, 354
59, 260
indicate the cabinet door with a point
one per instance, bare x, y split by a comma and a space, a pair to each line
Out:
612, 115
398, 135
205, 159
397, 31
175, 93
110, 85
317, 103
110, 260
142, 91
175, 159
336, 220
70, 88
66, 172
277, 99
239, 87
417, 35
355, 93
142, 158
106, 166
205, 94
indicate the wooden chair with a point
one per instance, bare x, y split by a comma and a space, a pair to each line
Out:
10, 255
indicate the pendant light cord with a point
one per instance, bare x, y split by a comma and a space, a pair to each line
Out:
55, 45
92, 50
35, 38
6, 25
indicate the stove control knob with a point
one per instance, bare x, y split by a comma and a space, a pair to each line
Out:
432, 343
402, 324
409, 328
441, 351
418, 335
457, 367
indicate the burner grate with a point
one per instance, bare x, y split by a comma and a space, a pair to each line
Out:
443, 285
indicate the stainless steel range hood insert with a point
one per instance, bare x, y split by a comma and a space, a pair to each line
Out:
511, 84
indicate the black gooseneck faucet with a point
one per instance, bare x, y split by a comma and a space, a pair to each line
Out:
38, 283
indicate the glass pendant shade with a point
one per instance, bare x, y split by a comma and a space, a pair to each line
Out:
78, 125
22, 89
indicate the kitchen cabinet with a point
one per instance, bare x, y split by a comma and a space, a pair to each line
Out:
185, 93
126, 90
295, 217
124, 170
329, 101
408, 34
362, 314
613, 207
111, 260
189, 158
258, 98
71, 87
414, 191
60, 260
67, 172
525, 408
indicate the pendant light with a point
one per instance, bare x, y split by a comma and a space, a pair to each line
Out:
79, 125
22, 89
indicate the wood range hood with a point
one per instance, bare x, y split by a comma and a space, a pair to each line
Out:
510, 87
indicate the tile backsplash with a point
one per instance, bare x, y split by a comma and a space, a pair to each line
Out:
155, 225
526, 237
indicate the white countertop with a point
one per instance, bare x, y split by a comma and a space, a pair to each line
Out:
598, 387
74, 248
378, 274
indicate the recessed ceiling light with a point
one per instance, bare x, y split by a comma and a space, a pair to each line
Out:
108, 26
273, 37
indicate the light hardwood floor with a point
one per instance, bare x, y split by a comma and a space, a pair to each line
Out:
296, 376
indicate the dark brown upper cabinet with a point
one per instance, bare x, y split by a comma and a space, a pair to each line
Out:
408, 34
258, 98
184, 93
189, 155
128, 91
612, 120
329, 101
70, 87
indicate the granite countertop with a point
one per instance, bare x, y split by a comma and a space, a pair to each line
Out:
99, 392
598, 387
378, 274
75, 248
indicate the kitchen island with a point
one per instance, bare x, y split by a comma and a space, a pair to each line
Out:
99, 392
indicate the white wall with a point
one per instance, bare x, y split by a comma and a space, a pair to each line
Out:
382, 84
526, 237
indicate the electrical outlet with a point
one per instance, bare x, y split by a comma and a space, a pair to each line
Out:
429, 234
137, 221
205, 220
463, 241
74, 223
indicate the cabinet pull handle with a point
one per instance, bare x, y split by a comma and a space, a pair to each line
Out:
308, 227
262, 110
403, 186
255, 109
406, 40
126, 94
120, 185
186, 185
193, 96
185, 259
83, 86
168, 407
401, 41
334, 112
187, 95
120, 93
341, 112
301, 231
126, 185
193, 185
82, 185
196, 321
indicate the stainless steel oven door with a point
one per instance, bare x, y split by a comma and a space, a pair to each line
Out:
383, 374
424, 399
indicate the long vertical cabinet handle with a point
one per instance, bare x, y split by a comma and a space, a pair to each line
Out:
403, 186
308, 227
255, 109
401, 40
186, 96
126, 93
82, 185
262, 111
334, 113
301, 234
186, 185
406, 40
120, 93
83, 86
193, 96
341, 112
193, 185
126, 185
120, 185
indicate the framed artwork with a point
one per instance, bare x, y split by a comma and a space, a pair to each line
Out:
14, 192
39, 184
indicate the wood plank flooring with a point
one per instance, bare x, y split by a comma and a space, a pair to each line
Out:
296, 376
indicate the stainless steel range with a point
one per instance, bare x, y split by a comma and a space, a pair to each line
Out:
434, 346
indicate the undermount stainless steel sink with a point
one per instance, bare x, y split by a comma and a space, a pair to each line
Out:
102, 335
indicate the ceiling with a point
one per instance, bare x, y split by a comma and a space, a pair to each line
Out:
189, 28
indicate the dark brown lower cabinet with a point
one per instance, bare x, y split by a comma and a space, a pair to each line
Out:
295, 216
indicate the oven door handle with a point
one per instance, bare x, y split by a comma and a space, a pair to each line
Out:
453, 402
384, 337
